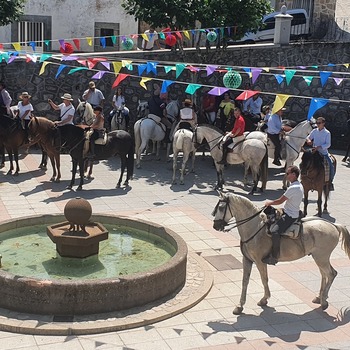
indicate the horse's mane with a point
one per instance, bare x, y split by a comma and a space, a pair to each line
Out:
212, 127
302, 123
43, 121
249, 204
312, 159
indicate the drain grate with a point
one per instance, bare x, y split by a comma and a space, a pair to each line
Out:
63, 318
224, 262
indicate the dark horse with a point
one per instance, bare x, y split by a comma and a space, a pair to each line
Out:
12, 137
313, 179
72, 138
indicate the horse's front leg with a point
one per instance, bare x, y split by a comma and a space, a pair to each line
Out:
17, 163
168, 146
306, 201
158, 151
74, 170
122, 169
81, 173
183, 168
193, 155
319, 204
175, 153
326, 195
53, 164
9, 152
220, 177
346, 154
265, 281
247, 269
155, 145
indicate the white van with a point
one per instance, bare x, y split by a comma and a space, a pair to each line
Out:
300, 27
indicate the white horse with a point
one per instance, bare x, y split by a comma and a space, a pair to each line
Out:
319, 238
251, 152
293, 141
84, 113
118, 121
182, 142
150, 127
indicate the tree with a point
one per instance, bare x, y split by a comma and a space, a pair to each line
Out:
10, 10
245, 15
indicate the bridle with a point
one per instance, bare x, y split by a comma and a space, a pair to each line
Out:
197, 144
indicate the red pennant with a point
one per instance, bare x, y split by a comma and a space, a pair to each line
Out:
83, 62
178, 34
245, 95
119, 79
77, 43
1, 46
28, 59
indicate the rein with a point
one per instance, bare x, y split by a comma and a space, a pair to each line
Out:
210, 148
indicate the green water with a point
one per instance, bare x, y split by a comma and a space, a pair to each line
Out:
29, 252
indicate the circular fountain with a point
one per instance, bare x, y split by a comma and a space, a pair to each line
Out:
81, 245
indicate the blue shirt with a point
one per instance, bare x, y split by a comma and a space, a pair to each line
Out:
321, 138
274, 124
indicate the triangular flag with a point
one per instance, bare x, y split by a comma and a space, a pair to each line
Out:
107, 65
43, 66
308, 80
91, 64
324, 77
217, 91
266, 69
141, 68
168, 68
12, 58
125, 63
69, 58
1, 46
143, 81
59, 70
280, 101
165, 85
32, 45
77, 43
44, 57
117, 66
99, 74
120, 78
114, 39
289, 75
76, 70
316, 103
47, 42
161, 35
338, 80
186, 34
279, 78
61, 41
346, 65
103, 42
210, 69
145, 37
192, 88
83, 62
255, 74
179, 69
152, 67
89, 40
17, 46
193, 69
32, 58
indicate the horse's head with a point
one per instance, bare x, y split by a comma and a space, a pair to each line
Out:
222, 212
142, 109
311, 160
173, 109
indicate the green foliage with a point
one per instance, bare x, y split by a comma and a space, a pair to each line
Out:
245, 14
10, 10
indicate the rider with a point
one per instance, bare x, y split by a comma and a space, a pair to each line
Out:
233, 136
274, 128
5, 100
66, 109
320, 138
157, 106
188, 115
118, 103
96, 126
24, 109
292, 198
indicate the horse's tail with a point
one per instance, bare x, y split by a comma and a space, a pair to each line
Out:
345, 238
180, 141
137, 135
130, 160
264, 169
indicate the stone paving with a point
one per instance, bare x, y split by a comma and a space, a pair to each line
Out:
290, 321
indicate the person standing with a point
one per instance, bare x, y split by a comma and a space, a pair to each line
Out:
24, 110
320, 138
274, 128
93, 95
66, 109
235, 135
292, 197
153, 39
5, 100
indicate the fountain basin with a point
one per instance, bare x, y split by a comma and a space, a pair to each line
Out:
79, 297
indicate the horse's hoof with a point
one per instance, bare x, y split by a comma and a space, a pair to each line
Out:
174, 182
15, 174
316, 300
324, 306
262, 302
237, 310
9, 172
79, 188
126, 183
118, 185
52, 179
57, 181
182, 183
138, 166
69, 187
344, 159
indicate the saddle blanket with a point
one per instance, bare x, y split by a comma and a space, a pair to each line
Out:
292, 232
154, 117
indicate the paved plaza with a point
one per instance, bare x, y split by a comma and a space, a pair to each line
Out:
290, 321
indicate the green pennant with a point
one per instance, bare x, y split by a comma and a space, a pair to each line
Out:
161, 35
289, 75
114, 39
44, 57
168, 68
47, 42
192, 88
76, 69
308, 80
179, 69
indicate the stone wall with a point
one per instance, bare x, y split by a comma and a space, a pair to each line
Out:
21, 76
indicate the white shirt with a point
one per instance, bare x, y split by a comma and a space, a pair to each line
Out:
186, 113
118, 101
95, 97
152, 37
23, 108
254, 106
294, 194
67, 112
321, 138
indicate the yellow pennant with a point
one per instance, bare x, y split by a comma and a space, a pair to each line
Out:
346, 65
89, 40
42, 69
144, 37
125, 63
186, 34
17, 46
280, 101
117, 66
143, 81
266, 69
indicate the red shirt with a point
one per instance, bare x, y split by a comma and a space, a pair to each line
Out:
239, 124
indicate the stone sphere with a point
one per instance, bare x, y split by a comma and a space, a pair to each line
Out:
78, 211
232, 79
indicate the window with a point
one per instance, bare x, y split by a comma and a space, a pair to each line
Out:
268, 24
106, 30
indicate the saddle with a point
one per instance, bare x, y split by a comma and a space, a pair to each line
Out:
271, 147
327, 170
100, 141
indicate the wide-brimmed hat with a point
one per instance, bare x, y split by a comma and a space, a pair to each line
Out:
24, 94
67, 97
188, 102
92, 84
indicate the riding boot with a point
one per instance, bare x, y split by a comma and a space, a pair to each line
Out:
167, 136
224, 156
92, 150
272, 258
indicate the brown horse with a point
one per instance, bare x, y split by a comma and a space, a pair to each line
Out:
313, 179
12, 137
